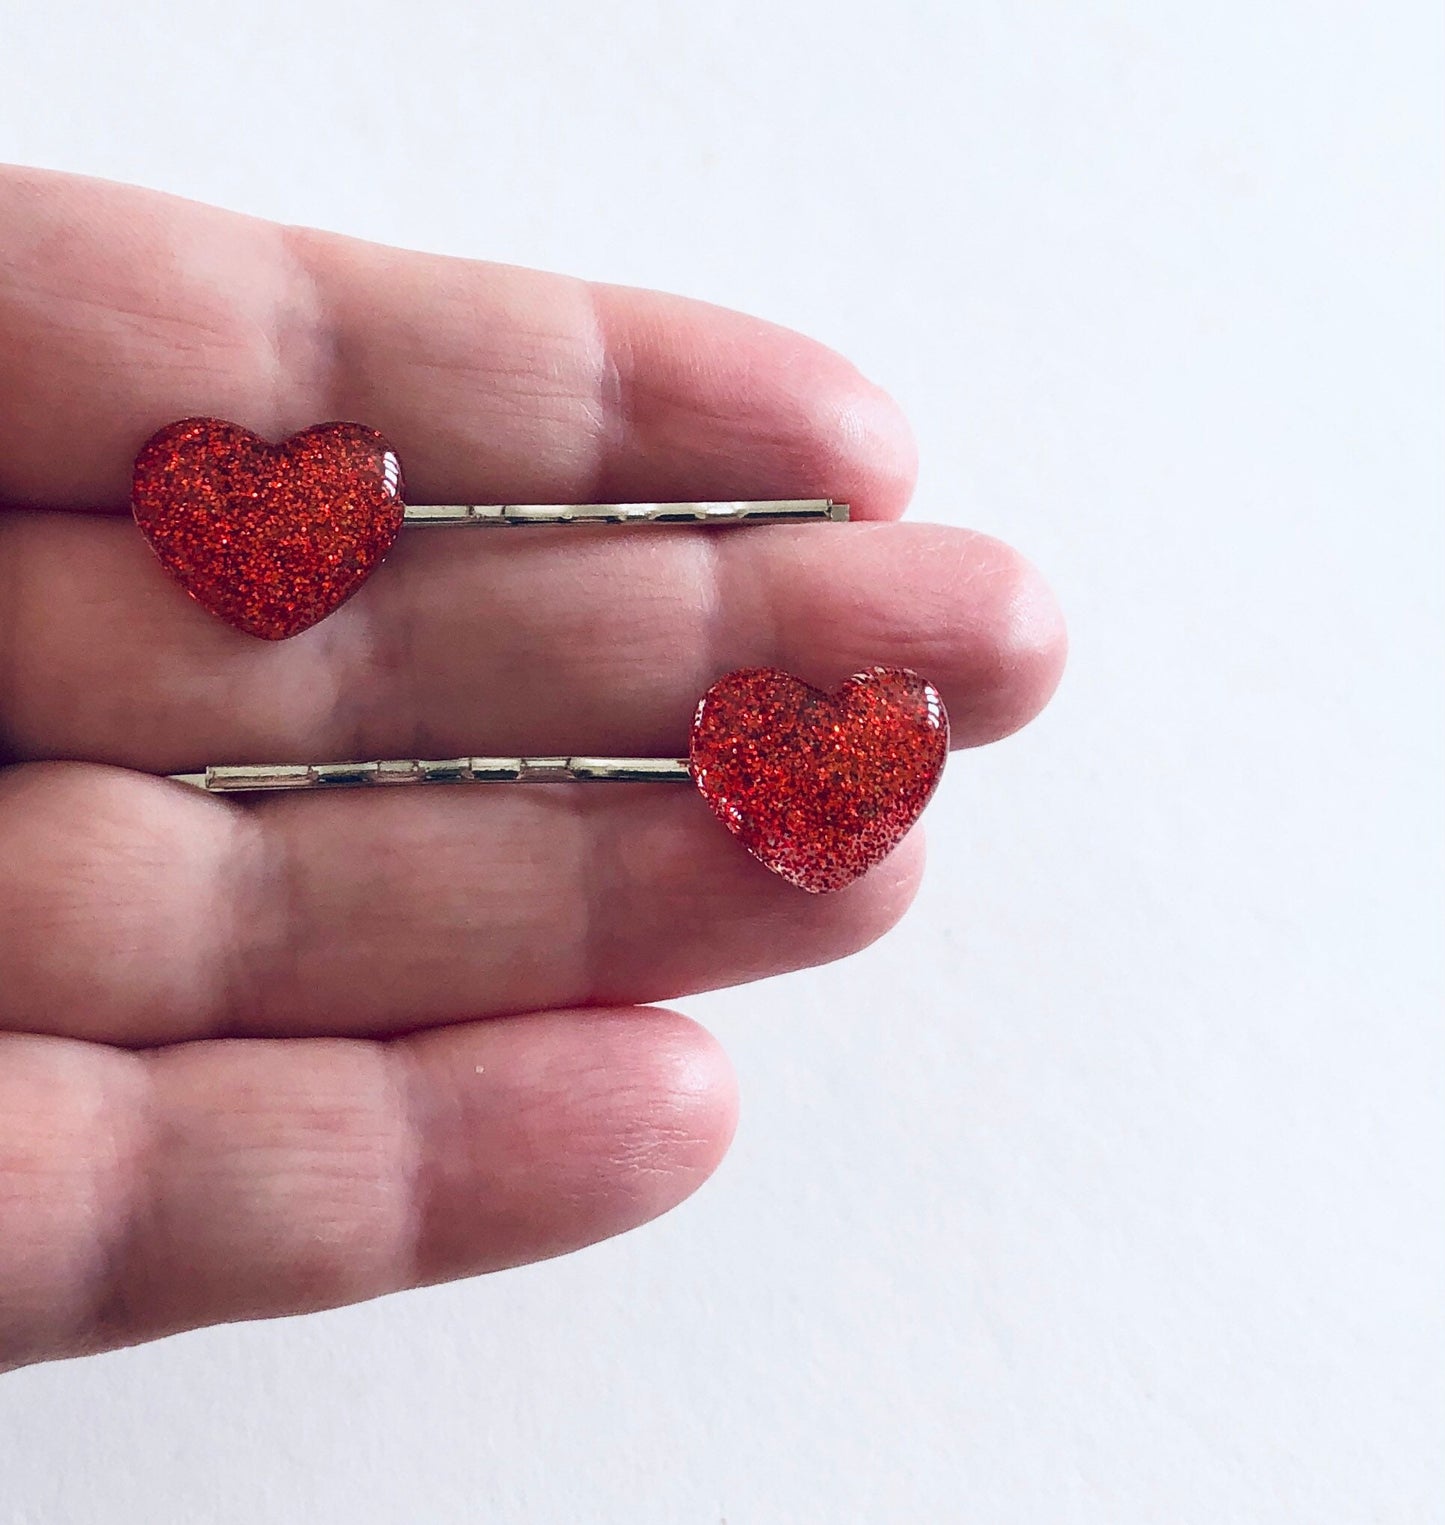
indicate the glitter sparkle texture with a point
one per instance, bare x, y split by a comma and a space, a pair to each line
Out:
819, 787
270, 538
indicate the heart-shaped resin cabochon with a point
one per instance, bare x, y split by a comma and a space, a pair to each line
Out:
817, 786
269, 538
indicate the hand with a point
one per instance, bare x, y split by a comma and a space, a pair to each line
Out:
259, 1058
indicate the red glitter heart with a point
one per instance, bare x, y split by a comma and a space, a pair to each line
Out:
271, 538
819, 787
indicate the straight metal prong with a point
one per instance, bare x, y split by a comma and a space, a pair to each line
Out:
735, 512
397, 772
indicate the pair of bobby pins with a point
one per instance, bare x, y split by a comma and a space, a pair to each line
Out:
272, 539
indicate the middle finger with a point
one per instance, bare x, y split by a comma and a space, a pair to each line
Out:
585, 640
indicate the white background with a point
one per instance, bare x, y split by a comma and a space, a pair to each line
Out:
1111, 1188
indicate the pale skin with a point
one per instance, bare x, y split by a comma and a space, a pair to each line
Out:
264, 1058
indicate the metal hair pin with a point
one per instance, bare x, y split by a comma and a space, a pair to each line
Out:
272, 538
817, 786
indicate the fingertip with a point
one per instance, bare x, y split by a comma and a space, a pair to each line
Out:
1030, 649
720, 403
853, 440
999, 642
557, 1129
694, 1092
877, 465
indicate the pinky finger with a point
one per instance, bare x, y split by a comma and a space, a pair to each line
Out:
146, 1193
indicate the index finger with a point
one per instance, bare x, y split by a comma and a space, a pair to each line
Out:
122, 309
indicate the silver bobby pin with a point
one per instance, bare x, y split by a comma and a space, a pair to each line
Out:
244, 779
737, 512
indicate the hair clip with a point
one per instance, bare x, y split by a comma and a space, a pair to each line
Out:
817, 786
273, 538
